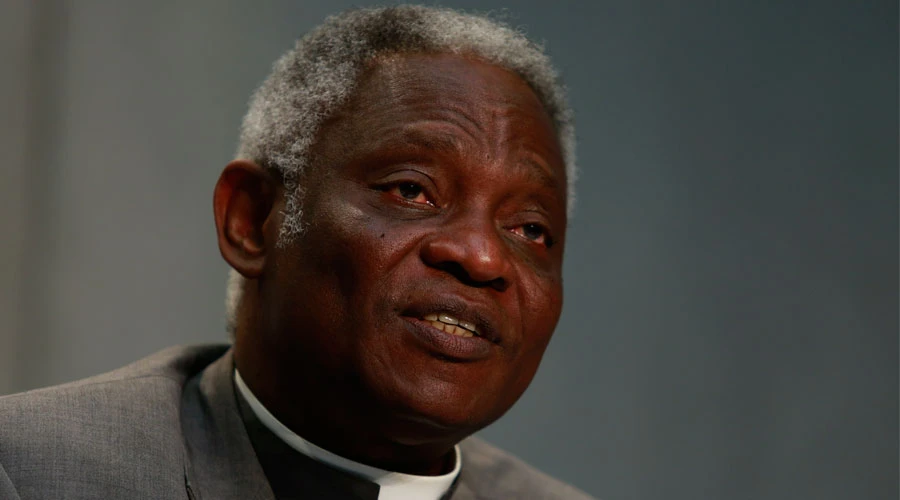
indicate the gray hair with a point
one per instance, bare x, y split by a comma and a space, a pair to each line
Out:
309, 83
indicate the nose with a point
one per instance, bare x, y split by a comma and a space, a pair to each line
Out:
471, 251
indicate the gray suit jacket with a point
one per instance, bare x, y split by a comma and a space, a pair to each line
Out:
154, 430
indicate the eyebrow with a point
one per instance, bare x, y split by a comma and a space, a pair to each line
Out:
541, 172
448, 144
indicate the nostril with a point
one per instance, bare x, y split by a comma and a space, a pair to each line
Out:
498, 284
460, 273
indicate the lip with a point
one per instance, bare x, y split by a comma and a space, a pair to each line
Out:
486, 319
447, 345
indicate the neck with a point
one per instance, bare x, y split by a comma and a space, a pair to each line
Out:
345, 421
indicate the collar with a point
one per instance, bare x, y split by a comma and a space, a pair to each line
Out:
393, 485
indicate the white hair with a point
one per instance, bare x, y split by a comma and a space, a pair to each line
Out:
309, 83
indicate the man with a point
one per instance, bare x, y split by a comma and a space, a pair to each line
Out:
395, 222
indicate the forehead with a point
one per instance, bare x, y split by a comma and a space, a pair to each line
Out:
442, 73
437, 100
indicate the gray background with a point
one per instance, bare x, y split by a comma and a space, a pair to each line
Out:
730, 328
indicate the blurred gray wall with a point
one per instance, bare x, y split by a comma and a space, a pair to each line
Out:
730, 329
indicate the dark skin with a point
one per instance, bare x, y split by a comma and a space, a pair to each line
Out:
440, 187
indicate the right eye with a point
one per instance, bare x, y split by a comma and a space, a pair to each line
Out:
409, 191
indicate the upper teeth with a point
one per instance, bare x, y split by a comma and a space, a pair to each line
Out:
452, 325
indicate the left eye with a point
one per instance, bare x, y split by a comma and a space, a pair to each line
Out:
409, 191
535, 233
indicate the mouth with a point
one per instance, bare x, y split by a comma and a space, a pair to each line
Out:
454, 329
452, 325
458, 318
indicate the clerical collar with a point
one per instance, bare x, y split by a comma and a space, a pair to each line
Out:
392, 485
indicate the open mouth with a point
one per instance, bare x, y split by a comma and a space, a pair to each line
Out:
452, 325
463, 335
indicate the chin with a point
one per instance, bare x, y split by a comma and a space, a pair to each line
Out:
442, 410
420, 429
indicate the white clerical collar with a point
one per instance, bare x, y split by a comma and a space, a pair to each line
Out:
393, 485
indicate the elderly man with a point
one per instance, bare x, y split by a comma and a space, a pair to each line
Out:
395, 223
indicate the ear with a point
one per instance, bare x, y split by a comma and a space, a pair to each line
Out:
243, 204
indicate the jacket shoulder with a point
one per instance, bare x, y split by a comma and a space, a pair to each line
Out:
117, 434
493, 473
176, 363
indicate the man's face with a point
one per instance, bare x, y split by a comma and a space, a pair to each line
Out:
437, 196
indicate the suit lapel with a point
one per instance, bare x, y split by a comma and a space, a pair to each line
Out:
220, 460
221, 463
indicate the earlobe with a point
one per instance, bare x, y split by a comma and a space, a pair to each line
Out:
243, 204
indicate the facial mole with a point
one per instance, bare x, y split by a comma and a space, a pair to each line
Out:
382, 235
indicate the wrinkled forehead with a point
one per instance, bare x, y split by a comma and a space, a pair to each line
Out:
441, 73
400, 90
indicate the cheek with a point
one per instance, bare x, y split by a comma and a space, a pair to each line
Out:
362, 256
541, 305
541, 288
346, 250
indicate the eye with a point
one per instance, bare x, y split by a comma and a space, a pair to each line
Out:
535, 233
409, 191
